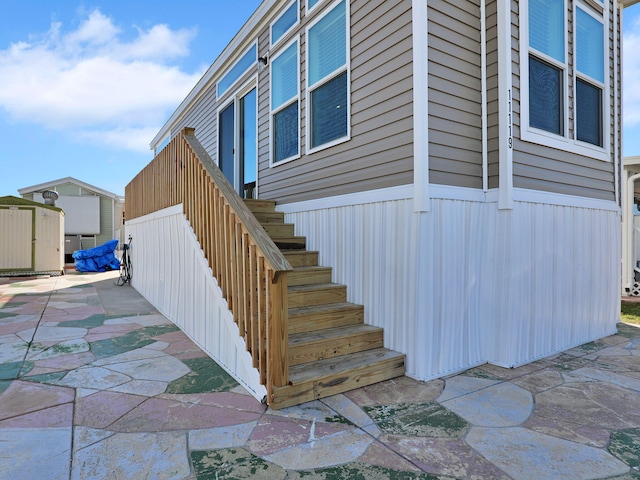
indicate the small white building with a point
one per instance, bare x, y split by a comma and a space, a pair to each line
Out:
631, 227
31, 237
93, 215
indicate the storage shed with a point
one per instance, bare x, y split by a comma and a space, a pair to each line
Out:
31, 237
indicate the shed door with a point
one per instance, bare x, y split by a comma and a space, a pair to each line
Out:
17, 238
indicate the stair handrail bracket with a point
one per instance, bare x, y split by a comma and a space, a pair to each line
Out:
249, 268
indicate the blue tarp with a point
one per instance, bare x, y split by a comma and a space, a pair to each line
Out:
98, 259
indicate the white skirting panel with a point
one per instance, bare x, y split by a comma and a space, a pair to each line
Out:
170, 271
466, 283
552, 280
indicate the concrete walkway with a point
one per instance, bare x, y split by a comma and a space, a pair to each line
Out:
95, 384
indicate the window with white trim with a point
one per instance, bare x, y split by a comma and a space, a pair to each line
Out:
285, 111
241, 67
311, 4
564, 95
285, 22
328, 89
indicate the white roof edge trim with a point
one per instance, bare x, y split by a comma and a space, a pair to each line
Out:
75, 181
211, 72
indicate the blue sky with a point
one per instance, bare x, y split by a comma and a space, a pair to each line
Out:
86, 85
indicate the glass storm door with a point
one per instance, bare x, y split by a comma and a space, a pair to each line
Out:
248, 154
226, 147
238, 126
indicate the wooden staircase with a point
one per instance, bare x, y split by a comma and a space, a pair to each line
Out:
330, 349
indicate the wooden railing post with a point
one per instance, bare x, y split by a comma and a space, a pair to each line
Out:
277, 334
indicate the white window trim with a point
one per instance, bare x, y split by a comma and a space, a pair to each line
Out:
273, 111
606, 106
284, 35
534, 135
226, 72
315, 7
310, 88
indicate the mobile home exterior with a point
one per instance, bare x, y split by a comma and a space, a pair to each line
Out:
456, 163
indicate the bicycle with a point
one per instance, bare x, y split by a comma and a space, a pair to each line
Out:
126, 269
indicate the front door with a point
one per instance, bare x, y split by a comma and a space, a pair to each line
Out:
226, 138
237, 142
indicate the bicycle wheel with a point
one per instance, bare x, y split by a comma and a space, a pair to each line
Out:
125, 276
128, 270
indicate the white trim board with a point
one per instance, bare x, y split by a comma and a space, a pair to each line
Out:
447, 192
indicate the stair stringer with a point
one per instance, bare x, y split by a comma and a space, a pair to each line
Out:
171, 272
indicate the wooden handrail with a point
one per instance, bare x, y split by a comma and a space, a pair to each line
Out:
249, 268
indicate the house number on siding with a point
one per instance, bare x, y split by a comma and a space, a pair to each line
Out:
510, 137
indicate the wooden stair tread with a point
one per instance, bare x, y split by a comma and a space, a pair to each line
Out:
291, 238
330, 348
314, 287
327, 315
316, 294
332, 334
328, 307
269, 217
322, 369
333, 342
301, 257
280, 230
260, 205
310, 381
309, 275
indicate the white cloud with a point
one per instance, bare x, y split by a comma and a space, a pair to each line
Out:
631, 75
134, 139
92, 82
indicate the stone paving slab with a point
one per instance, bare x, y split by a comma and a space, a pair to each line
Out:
95, 383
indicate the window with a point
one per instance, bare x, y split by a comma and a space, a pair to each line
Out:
285, 117
545, 96
311, 4
564, 107
238, 70
590, 78
286, 21
328, 79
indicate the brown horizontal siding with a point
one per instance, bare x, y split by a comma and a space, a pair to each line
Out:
455, 96
380, 151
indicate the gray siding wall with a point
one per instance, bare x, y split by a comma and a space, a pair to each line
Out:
202, 116
539, 167
492, 94
380, 152
455, 93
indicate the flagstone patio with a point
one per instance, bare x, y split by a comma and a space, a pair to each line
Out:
95, 383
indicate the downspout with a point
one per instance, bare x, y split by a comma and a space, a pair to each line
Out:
483, 67
627, 228
618, 113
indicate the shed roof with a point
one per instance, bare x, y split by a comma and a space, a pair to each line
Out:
16, 201
47, 185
